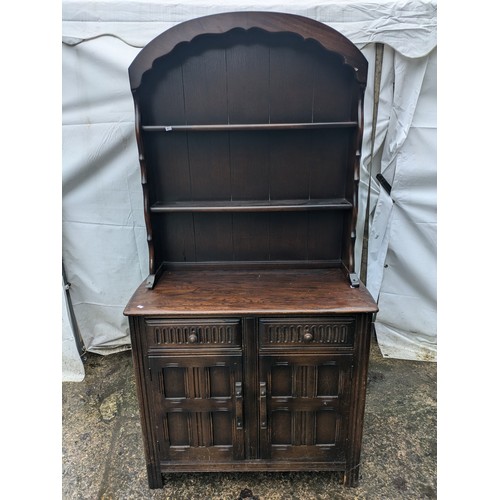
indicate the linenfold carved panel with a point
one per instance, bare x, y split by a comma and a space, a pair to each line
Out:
307, 403
199, 415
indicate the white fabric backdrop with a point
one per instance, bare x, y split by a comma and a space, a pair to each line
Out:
104, 240
402, 243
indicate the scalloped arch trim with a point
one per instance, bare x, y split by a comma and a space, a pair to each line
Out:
271, 22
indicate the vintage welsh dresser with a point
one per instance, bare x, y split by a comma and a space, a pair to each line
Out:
251, 334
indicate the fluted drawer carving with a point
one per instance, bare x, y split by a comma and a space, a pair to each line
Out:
337, 332
180, 333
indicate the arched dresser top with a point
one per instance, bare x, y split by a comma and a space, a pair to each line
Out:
271, 22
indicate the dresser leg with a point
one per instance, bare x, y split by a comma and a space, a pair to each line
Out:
154, 477
351, 477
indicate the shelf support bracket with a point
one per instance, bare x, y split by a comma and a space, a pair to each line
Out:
354, 280
152, 279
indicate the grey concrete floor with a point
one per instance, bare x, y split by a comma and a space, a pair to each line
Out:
103, 451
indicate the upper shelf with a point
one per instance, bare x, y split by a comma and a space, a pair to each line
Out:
247, 126
253, 205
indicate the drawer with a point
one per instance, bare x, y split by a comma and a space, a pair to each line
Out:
328, 331
191, 333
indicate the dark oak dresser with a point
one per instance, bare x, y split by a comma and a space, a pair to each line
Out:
251, 334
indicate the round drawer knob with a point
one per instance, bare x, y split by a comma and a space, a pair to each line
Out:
193, 338
308, 337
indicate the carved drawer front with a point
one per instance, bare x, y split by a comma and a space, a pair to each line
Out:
303, 332
179, 333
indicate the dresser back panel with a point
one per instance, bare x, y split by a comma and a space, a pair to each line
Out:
276, 236
249, 77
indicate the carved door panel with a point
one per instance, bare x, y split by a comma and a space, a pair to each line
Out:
304, 406
198, 403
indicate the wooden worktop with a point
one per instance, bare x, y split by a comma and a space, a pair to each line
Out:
256, 292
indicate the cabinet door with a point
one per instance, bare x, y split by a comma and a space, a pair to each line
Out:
304, 406
198, 404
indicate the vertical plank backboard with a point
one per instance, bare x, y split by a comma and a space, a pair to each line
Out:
333, 84
328, 148
250, 164
247, 61
291, 81
162, 93
248, 102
